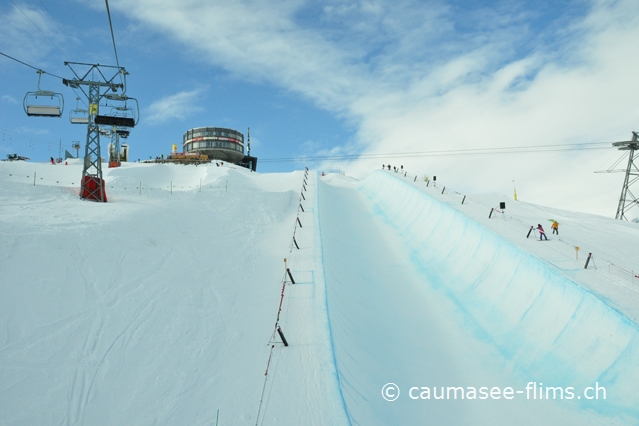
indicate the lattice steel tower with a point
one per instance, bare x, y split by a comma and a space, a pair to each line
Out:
98, 86
627, 200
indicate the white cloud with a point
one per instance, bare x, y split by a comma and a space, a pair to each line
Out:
173, 107
412, 80
29, 33
8, 99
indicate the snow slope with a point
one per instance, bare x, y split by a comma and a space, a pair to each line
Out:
159, 306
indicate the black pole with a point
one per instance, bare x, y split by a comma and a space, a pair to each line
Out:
587, 261
303, 196
415, 179
304, 186
427, 182
301, 207
288, 271
443, 190
298, 247
464, 199
491, 213
298, 221
279, 331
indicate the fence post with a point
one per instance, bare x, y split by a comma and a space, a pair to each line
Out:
288, 271
587, 260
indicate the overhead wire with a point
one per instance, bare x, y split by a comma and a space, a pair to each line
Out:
31, 66
446, 153
115, 50
72, 15
35, 25
56, 22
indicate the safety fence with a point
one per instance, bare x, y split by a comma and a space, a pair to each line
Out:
138, 185
278, 337
618, 274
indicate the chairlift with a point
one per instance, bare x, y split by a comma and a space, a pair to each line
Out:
78, 115
35, 107
122, 115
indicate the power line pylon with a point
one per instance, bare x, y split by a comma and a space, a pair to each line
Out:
98, 84
627, 200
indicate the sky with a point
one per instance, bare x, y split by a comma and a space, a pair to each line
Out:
357, 83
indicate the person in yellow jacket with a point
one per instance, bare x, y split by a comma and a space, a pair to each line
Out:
555, 227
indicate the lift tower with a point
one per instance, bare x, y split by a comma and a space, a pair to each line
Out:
627, 200
98, 84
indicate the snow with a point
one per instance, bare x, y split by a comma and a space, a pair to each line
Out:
159, 306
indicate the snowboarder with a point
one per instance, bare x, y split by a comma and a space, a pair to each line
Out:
555, 227
542, 233
52, 161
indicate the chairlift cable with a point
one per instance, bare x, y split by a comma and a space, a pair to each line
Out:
117, 62
31, 66
40, 29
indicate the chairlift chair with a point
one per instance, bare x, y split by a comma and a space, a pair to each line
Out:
122, 115
78, 115
35, 107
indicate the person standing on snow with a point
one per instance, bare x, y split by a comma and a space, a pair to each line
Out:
542, 233
555, 227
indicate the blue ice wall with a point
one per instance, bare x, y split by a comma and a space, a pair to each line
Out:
551, 328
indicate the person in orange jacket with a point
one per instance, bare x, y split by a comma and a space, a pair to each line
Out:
555, 227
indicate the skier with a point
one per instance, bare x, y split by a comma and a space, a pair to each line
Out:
542, 234
555, 227
52, 161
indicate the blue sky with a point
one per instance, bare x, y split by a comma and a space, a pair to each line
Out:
333, 77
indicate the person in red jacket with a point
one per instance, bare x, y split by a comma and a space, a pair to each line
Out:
542, 234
